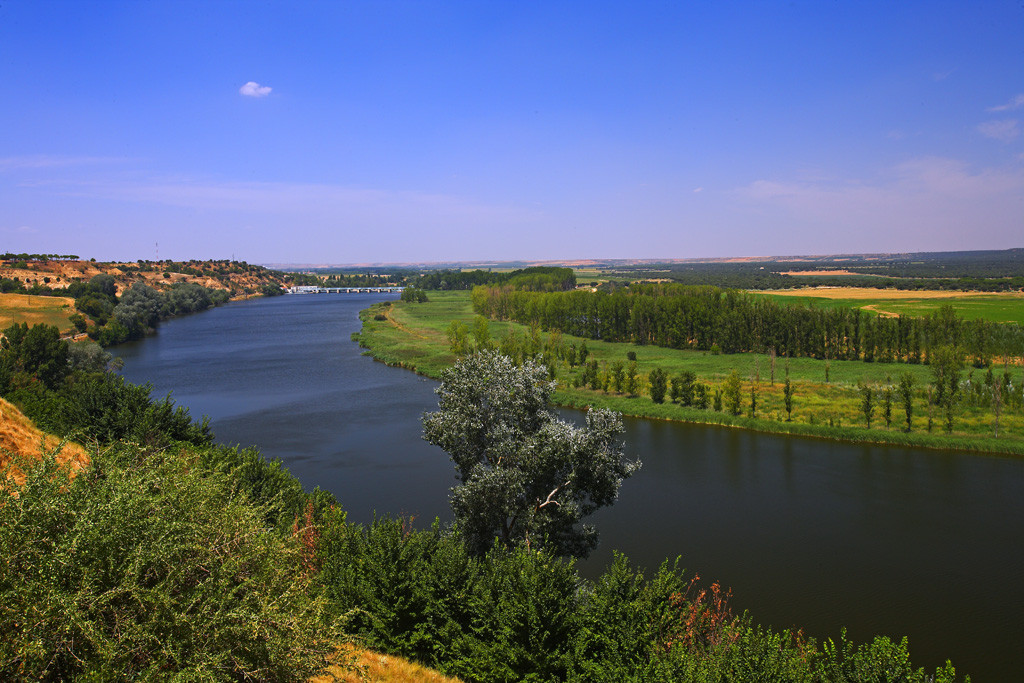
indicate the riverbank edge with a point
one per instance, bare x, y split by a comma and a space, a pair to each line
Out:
584, 398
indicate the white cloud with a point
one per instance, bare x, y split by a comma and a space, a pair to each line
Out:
1004, 131
698, 189
254, 89
1015, 103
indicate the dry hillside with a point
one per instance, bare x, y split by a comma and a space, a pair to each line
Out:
19, 438
239, 278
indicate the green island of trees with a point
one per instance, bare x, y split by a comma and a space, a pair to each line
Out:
170, 557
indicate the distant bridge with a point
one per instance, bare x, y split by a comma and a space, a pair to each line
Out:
313, 289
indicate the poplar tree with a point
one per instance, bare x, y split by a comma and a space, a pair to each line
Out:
526, 477
906, 394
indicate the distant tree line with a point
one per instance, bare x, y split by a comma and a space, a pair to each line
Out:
989, 271
8, 256
729, 321
537, 278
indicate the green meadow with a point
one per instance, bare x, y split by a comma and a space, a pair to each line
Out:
414, 336
997, 308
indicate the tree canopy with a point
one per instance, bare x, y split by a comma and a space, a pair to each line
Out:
526, 476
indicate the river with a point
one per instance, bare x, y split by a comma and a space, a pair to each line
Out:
807, 533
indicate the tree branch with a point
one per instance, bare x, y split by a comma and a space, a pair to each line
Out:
549, 500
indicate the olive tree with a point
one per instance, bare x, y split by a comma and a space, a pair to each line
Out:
526, 477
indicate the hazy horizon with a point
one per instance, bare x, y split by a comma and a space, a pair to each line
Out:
415, 132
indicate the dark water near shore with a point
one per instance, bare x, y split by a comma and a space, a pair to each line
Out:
807, 533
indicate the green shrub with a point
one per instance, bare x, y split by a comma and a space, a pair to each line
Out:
148, 566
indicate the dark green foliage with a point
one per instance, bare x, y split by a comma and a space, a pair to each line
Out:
524, 617
409, 589
79, 321
277, 493
658, 380
618, 376
189, 297
537, 278
683, 387
90, 357
106, 408
147, 566
32, 354
139, 309
946, 363
97, 308
414, 295
517, 614
787, 398
732, 393
526, 476
867, 403
887, 405
730, 321
631, 382
701, 395
906, 394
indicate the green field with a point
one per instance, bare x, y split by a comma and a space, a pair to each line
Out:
33, 310
997, 308
414, 336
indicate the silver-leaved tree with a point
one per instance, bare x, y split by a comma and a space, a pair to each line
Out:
526, 476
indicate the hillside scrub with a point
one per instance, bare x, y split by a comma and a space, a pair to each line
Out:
147, 566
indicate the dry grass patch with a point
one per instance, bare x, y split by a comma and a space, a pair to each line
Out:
25, 308
872, 293
377, 668
19, 438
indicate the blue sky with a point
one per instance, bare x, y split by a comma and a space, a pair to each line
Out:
351, 132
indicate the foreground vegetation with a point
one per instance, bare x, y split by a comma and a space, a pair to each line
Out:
167, 556
827, 397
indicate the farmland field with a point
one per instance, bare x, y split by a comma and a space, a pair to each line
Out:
993, 307
24, 308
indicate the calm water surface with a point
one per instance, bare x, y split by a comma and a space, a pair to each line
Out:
807, 533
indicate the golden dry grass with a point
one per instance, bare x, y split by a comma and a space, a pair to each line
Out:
872, 293
25, 308
808, 273
377, 668
19, 437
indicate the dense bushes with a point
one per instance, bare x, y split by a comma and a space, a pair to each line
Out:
516, 614
103, 407
147, 565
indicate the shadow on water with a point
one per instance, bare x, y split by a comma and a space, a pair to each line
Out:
808, 533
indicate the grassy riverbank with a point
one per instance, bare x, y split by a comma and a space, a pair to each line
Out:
414, 336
